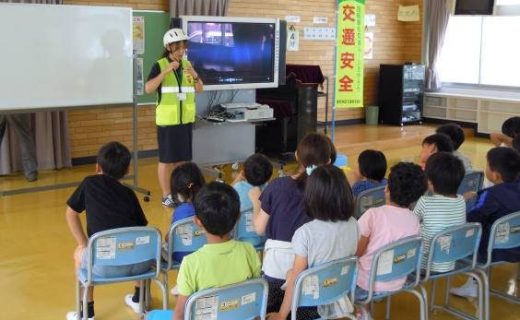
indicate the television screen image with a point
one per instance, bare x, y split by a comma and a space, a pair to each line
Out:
233, 54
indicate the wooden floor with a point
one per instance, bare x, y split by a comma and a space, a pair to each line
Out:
36, 268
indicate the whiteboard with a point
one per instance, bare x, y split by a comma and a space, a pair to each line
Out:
64, 56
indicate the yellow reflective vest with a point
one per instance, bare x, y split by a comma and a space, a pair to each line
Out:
173, 109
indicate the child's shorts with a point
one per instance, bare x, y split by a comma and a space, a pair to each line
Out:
117, 271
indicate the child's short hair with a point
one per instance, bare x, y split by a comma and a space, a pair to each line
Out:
328, 195
258, 169
441, 141
455, 132
516, 143
406, 183
114, 159
186, 180
505, 161
445, 172
511, 127
217, 205
372, 164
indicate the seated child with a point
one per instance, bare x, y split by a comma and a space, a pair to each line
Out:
332, 235
222, 261
256, 172
502, 169
444, 208
371, 172
108, 205
186, 180
393, 221
456, 134
510, 129
434, 143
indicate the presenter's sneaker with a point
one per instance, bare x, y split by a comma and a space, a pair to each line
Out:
73, 315
168, 201
31, 176
468, 290
133, 305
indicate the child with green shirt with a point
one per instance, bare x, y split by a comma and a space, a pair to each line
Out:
223, 261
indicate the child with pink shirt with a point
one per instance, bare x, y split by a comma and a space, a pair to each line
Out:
382, 225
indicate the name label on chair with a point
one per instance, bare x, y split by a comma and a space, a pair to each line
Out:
330, 282
229, 305
106, 248
248, 298
206, 308
125, 245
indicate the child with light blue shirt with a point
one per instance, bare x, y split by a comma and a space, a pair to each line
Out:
256, 172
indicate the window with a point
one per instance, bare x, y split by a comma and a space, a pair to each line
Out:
481, 50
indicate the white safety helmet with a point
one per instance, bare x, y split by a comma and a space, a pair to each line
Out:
174, 35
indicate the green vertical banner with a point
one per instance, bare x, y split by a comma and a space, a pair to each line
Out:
350, 36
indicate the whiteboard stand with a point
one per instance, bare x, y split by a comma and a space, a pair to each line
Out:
135, 152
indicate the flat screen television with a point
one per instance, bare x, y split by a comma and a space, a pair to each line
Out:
234, 52
474, 7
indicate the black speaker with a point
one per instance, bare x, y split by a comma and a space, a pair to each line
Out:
307, 111
282, 53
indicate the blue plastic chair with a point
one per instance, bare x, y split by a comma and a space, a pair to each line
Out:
245, 231
245, 301
394, 261
374, 197
117, 248
504, 235
184, 236
458, 245
329, 283
472, 182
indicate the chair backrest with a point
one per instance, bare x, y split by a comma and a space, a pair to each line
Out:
245, 230
325, 284
505, 234
374, 197
246, 300
124, 246
395, 261
471, 182
184, 236
453, 244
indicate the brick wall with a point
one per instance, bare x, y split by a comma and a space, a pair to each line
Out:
395, 42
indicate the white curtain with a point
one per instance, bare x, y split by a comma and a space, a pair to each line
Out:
438, 13
198, 7
50, 132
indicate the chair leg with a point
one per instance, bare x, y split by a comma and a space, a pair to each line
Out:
164, 293
423, 309
78, 298
424, 293
433, 292
486, 288
142, 286
481, 298
165, 285
85, 302
447, 292
388, 307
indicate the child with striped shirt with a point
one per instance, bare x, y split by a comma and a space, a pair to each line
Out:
443, 208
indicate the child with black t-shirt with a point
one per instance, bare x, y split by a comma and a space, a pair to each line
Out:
108, 205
